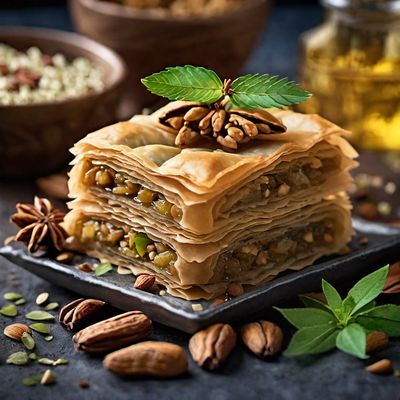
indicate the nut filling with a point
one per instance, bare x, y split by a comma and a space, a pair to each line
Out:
292, 245
129, 243
119, 184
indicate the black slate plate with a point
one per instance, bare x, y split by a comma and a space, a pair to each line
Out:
383, 247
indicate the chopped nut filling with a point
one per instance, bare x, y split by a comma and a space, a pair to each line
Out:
295, 178
121, 185
129, 243
254, 255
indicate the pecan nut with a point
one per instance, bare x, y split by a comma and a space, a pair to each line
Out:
80, 312
158, 359
210, 347
263, 338
113, 333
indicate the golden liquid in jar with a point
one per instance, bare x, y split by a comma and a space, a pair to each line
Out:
357, 88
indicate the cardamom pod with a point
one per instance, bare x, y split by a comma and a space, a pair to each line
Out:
263, 338
210, 347
196, 114
158, 359
113, 333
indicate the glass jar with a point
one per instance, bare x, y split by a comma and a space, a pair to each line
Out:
351, 65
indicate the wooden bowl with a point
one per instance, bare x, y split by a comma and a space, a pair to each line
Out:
35, 138
149, 42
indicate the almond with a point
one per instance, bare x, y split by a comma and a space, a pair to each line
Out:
376, 341
144, 282
15, 331
382, 367
159, 359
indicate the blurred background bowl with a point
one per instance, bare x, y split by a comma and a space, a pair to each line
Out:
35, 138
149, 41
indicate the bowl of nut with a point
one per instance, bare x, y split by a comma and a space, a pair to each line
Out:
55, 87
153, 34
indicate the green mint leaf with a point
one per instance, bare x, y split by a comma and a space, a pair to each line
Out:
384, 318
306, 317
367, 307
332, 296
313, 303
312, 340
187, 83
103, 269
352, 340
264, 91
368, 288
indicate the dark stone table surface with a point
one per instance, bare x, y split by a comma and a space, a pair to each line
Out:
332, 376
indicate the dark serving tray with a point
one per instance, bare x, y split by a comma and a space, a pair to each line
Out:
383, 247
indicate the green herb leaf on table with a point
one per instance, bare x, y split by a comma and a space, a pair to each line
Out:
306, 317
39, 315
264, 91
352, 340
368, 288
312, 340
384, 318
342, 324
9, 310
186, 83
202, 85
103, 269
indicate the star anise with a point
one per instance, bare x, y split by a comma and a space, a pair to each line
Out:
40, 225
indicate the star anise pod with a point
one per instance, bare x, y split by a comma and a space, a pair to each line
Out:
40, 225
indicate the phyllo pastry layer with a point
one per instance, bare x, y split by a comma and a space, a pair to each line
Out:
200, 218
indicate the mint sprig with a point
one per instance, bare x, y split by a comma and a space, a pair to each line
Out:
199, 84
343, 324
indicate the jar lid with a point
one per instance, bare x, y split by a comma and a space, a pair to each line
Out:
380, 6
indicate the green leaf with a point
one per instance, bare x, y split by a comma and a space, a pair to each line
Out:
306, 317
313, 303
12, 296
141, 242
352, 340
263, 91
10, 310
186, 83
18, 358
103, 269
332, 296
368, 288
40, 328
39, 315
384, 318
27, 341
312, 340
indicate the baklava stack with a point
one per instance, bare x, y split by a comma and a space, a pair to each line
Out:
199, 218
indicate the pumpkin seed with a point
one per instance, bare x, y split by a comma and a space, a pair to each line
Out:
51, 306
32, 356
12, 296
48, 338
10, 310
40, 328
45, 361
48, 377
39, 315
18, 358
28, 341
60, 361
20, 302
32, 380
102, 269
42, 298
